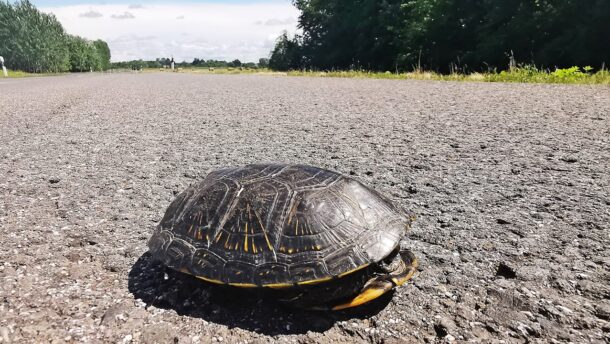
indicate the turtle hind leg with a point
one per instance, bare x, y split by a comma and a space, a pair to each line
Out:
398, 267
402, 267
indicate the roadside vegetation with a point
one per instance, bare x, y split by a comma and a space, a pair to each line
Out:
458, 40
35, 42
452, 38
16, 74
526, 74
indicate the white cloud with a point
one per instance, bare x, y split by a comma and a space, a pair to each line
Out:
125, 15
276, 21
91, 14
135, 6
209, 31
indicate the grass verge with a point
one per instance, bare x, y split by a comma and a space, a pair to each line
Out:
526, 74
16, 74
523, 74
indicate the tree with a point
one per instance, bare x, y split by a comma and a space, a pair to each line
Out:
235, 63
31, 40
349, 35
446, 35
263, 62
287, 54
103, 52
36, 42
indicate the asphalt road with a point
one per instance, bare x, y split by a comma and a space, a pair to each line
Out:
510, 184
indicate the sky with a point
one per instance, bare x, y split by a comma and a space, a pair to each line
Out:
221, 30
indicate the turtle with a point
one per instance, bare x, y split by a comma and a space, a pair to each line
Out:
314, 238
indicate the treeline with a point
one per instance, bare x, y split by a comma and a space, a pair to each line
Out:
166, 62
446, 35
33, 41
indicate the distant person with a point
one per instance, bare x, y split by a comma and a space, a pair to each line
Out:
2, 66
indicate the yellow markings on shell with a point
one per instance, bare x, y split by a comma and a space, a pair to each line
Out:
236, 246
316, 281
253, 246
264, 231
318, 247
290, 250
354, 270
246, 240
278, 285
218, 237
243, 285
199, 235
296, 227
184, 270
293, 210
190, 229
207, 237
210, 280
267, 240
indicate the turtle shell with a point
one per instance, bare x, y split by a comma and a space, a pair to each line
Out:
276, 226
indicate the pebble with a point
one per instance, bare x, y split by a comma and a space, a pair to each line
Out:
602, 311
4, 335
127, 339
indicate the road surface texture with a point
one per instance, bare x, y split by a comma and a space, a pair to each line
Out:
510, 185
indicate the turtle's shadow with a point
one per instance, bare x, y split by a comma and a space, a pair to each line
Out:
163, 288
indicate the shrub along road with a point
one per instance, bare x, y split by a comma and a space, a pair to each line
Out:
509, 183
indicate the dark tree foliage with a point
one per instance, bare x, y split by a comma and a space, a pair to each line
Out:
446, 35
235, 63
287, 53
263, 62
36, 42
350, 34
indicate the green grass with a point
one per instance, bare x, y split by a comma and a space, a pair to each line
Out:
21, 74
16, 74
525, 74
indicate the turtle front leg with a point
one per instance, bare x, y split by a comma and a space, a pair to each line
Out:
398, 268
